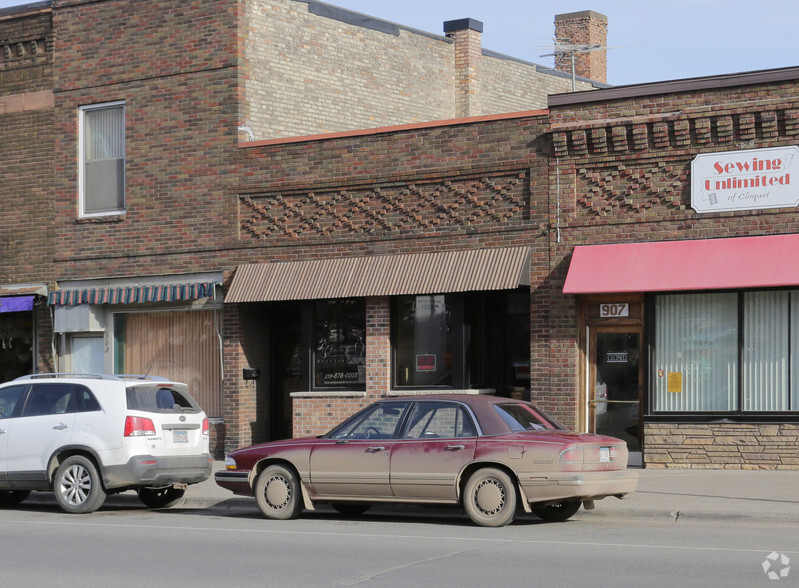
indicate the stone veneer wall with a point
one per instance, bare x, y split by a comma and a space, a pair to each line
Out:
738, 446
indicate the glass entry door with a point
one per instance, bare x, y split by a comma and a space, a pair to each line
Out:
614, 391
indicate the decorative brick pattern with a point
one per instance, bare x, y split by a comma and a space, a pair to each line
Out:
722, 446
408, 208
606, 190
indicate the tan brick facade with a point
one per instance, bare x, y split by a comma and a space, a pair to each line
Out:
378, 75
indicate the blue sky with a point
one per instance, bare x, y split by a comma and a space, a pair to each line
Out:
651, 40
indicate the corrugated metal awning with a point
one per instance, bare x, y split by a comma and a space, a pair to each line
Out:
382, 275
23, 290
132, 294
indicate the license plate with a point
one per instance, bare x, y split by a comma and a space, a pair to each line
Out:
180, 436
604, 454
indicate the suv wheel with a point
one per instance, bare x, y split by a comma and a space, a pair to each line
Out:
77, 485
160, 497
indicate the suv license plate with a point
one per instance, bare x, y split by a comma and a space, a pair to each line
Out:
180, 436
604, 454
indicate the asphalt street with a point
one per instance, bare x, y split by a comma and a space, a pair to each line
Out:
767, 496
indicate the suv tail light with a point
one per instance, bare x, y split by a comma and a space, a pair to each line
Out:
206, 427
138, 427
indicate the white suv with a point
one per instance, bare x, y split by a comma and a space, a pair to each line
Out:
84, 436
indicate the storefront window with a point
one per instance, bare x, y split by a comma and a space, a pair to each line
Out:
696, 352
700, 365
339, 349
424, 328
16, 344
183, 346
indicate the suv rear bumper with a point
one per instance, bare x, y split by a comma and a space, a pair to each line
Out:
148, 470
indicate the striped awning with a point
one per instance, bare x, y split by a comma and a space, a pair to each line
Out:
382, 275
132, 294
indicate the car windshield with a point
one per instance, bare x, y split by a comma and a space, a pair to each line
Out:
154, 398
523, 417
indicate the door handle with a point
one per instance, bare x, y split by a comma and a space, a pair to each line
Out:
61, 426
2, 431
455, 447
375, 449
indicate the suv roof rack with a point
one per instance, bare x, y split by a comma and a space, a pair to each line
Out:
116, 377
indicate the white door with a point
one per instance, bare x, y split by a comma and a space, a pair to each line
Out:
87, 354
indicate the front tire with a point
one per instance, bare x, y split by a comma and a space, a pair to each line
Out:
77, 486
489, 498
278, 494
557, 513
160, 497
13, 497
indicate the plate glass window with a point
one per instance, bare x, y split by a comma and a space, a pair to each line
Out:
339, 349
102, 159
727, 352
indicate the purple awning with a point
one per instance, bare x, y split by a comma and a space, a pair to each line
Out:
16, 303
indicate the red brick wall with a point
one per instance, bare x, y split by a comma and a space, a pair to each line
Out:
173, 63
26, 123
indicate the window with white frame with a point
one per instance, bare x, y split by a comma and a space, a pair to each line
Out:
102, 159
726, 352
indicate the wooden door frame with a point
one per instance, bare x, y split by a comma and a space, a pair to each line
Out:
590, 406
589, 318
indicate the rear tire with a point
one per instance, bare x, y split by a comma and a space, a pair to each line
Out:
160, 497
556, 513
77, 486
490, 498
278, 493
13, 497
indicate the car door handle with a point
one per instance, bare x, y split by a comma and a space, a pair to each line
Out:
61, 426
377, 449
455, 447
2, 431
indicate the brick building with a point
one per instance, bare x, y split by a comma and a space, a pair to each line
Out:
677, 226
293, 266
120, 138
26, 169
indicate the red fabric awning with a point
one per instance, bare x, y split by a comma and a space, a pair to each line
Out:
706, 264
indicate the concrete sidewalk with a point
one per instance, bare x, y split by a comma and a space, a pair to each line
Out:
765, 496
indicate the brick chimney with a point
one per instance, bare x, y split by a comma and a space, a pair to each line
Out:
468, 36
586, 28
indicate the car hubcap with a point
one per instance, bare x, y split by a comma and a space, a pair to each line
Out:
76, 485
278, 492
490, 497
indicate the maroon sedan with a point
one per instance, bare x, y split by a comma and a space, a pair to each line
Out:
486, 453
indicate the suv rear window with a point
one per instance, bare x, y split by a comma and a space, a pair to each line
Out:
160, 399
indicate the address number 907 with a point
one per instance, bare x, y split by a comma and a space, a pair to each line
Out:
614, 310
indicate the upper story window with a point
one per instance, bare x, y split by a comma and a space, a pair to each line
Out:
102, 159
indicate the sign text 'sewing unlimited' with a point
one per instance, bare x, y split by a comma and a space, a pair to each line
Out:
745, 180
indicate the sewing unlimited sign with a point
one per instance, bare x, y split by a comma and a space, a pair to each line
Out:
745, 180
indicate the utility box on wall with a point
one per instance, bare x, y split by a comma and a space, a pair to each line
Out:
83, 318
